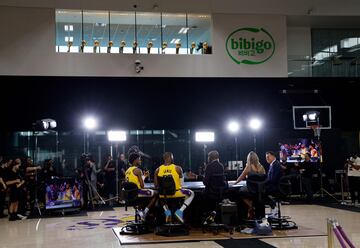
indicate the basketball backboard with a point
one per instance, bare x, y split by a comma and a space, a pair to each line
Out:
324, 116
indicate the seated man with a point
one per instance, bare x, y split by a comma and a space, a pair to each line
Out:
274, 175
214, 175
134, 175
170, 169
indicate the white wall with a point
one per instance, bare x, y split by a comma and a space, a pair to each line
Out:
28, 48
282, 7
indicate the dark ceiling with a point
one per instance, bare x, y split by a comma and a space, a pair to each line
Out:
172, 102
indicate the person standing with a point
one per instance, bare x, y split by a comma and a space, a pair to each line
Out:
3, 187
110, 178
14, 182
307, 171
353, 172
31, 171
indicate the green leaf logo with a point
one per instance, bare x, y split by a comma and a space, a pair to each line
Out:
250, 46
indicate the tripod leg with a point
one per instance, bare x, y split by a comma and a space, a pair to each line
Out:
97, 194
324, 190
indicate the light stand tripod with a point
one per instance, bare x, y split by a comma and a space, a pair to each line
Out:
91, 188
35, 157
322, 190
116, 197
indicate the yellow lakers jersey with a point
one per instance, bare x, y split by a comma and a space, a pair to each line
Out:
131, 177
165, 170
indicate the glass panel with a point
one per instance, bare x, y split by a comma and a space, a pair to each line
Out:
148, 32
68, 30
122, 31
199, 33
336, 52
96, 31
174, 33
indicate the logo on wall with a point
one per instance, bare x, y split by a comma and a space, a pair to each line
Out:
250, 46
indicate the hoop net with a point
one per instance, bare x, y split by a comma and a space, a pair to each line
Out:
316, 129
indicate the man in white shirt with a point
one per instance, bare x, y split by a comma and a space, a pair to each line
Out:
354, 177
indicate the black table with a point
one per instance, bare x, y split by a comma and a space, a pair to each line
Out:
198, 185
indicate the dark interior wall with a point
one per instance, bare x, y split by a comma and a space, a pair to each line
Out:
186, 103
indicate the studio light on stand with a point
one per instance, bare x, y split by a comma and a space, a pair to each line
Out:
116, 137
234, 128
89, 123
205, 137
255, 125
40, 126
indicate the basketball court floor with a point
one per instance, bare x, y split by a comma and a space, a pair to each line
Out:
95, 229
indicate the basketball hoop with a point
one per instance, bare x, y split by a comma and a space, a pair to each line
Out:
316, 129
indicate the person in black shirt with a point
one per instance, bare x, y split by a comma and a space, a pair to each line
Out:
122, 166
214, 178
3, 187
110, 178
14, 182
307, 170
31, 171
49, 170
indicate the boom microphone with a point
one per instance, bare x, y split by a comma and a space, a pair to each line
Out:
136, 149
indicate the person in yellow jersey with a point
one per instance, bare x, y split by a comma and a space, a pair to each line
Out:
135, 175
169, 168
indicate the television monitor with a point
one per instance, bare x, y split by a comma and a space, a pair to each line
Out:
294, 150
63, 193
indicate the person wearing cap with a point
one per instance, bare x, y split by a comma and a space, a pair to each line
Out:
135, 175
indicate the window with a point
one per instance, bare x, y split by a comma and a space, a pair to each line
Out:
122, 31
68, 30
199, 33
174, 33
89, 31
96, 31
148, 32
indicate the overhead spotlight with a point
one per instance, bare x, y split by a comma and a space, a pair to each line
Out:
233, 126
90, 123
255, 124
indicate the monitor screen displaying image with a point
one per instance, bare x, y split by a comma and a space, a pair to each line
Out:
294, 150
63, 193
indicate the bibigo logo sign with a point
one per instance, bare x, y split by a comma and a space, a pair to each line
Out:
250, 46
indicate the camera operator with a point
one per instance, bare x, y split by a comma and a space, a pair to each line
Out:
92, 171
